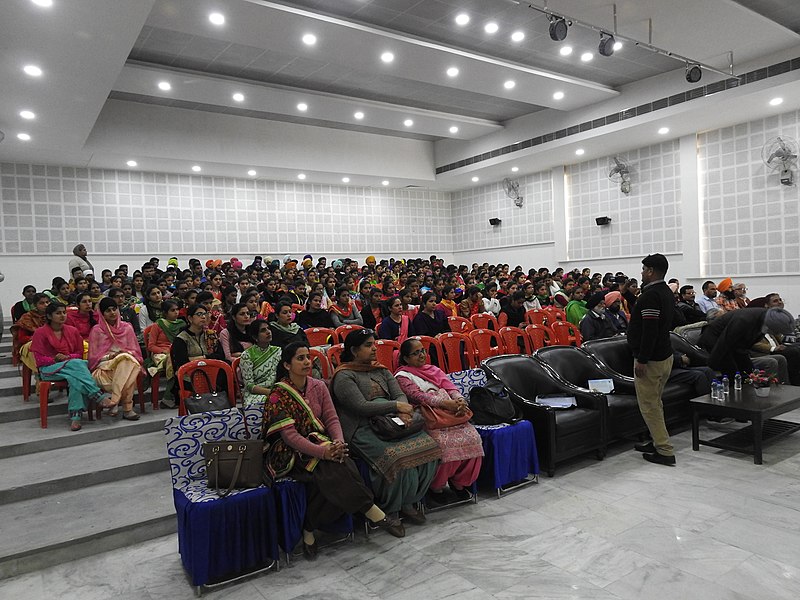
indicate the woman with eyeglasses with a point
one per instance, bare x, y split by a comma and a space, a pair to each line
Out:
462, 449
400, 470
193, 343
115, 359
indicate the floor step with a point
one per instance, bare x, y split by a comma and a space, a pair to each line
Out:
55, 471
8, 370
45, 531
11, 386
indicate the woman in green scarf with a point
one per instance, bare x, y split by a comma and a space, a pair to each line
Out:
158, 340
259, 363
284, 329
24, 305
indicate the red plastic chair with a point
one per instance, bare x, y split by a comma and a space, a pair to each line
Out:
238, 382
460, 325
387, 353
319, 336
318, 356
434, 355
536, 317
567, 334
540, 336
344, 330
334, 354
459, 352
556, 313
155, 380
515, 340
211, 367
485, 321
487, 343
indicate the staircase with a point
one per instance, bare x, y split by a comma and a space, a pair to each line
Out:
66, 495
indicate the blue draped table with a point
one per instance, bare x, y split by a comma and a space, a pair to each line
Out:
510, 453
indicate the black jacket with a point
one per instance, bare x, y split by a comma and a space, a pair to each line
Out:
650, 324
728, 339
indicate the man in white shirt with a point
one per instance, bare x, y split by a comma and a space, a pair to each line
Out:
707, 300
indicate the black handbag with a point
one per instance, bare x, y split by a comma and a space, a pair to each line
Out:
490, 408
234, 464
391, 427
207, 401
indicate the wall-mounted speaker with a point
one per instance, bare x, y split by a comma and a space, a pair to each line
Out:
603, 220
495, 222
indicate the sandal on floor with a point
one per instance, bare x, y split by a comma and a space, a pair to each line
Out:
130, 415
75, 426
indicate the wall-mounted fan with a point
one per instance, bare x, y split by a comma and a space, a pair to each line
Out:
780, 154
511, 188
621, 172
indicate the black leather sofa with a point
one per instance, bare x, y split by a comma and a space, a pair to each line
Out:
560, 434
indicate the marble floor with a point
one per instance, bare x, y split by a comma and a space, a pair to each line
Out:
717, 527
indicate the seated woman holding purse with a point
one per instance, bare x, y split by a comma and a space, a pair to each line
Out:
447, 421
115, 359
307, 444
401, 469
159, 345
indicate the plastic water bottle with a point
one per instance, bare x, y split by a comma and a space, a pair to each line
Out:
726, 388
715, 390
737, 382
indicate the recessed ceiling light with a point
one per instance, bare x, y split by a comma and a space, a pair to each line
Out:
385, 182
359, 115
617, 46
43, 3
196, 168
558, 96
164, 86
776, 101
302, 107
24, 137
475, 179
514, 169
408, 122
32, 70
252, 172
663, 130
452, 72
580, 151
565, 50
345, 180
387, 57
132, 163
217, 18
301, 175
309, 39
462, 19
27, 114
491, 27
517, 36
238, 97
587, 56
509, 84
454, 129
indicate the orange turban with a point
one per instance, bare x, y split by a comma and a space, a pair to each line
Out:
725, 284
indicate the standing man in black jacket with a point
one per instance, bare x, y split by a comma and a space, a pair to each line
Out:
648, 338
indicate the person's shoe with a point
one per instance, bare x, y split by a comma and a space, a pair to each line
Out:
660, 459
412, 515
75, 425
130, 415
646, 447
720, 420
393, 525
102, 399
114, 412
162, 404
462, 495
310, 551
438, 499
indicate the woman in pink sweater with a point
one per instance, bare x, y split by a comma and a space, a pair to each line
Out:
306, 443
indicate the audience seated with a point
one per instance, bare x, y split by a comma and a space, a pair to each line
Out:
396, 325
84, 317
344, 311
430, 320
284, 329
595, 324
259, 363
233, 340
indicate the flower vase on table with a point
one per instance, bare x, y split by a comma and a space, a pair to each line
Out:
762, 381
762, 391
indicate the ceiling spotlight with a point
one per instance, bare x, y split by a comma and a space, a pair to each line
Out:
164, 86
607, 43
773, 102
24, 137
452, 72
454, 129
558, 28
587, 56
514, 169
565, 50
252, 172
385, 182
359, 115
302, 107
476, 179
309, 39
580, 151
617, 46
462, 19
663, 130
217, 18
517, 36
509, 84
345, 180
196, 168
301, 175
408, 122
387, 57
27, 114
491, 27
693, 73
238, 97
558, 96
132, 163
32, 70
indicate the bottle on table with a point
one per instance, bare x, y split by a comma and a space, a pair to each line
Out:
737, 382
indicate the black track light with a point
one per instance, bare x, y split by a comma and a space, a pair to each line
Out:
693, 73
558, 28
606, 47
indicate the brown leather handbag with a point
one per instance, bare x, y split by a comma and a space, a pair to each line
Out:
234, 464
439, 418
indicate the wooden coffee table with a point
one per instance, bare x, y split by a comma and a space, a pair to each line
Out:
745, 405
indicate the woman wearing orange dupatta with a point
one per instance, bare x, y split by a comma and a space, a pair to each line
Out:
344, 311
